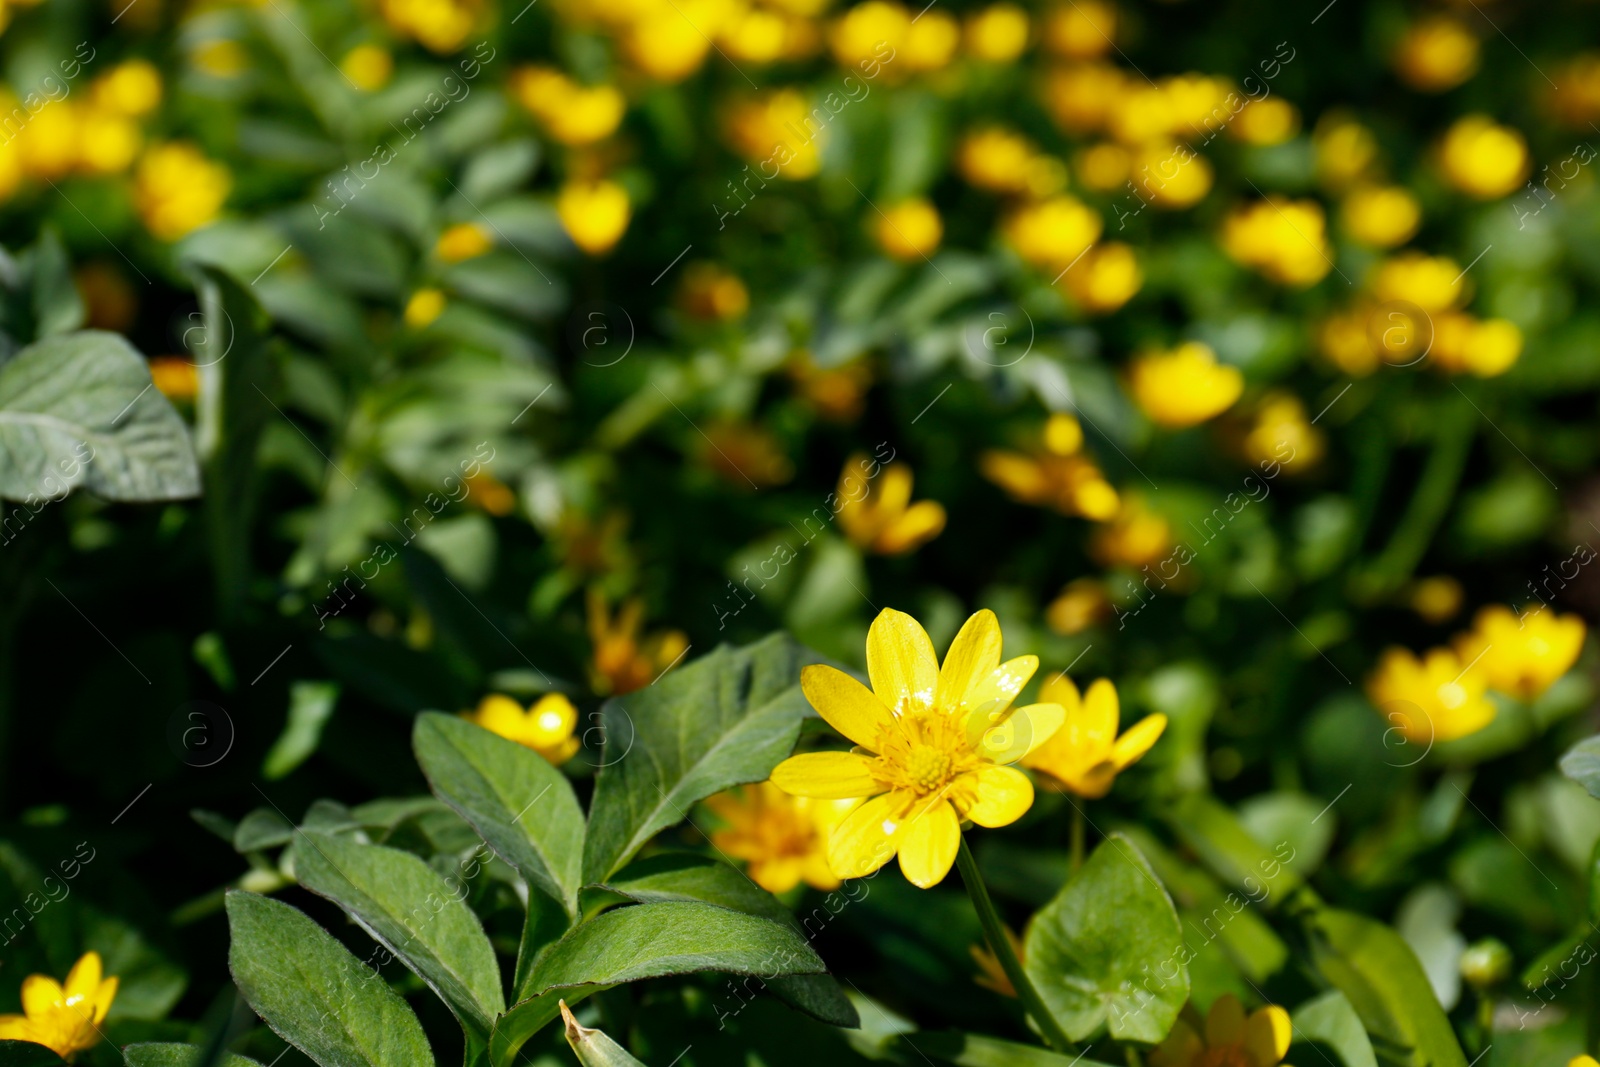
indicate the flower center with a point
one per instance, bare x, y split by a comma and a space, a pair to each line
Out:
1223, 1056
928, 768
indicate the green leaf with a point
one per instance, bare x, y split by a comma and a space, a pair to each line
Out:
79, 409
1377, 971
57, 304
174, 1054
524, 808
1582, 764
647, 941
975, 1050
1330, 1020
724, 720
314, 994
1099, 952
27, 1054
262, 828
593, 1048
310, 705
1223, 843
414, 913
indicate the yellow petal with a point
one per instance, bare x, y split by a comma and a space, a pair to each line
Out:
1060, 690
18, 1028
1101, 712
901, 662
500, 714
1024, 730
866, 839
41, 994
1137, 741
1267, 1035
1004, 794
929, 843
921, 522
844, 703
1225, 1021
84, 978
995, 693
103, 998
829, 775
894, 490
973, 656
1182, 1048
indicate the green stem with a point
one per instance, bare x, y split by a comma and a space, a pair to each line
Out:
1077, 836
989, 919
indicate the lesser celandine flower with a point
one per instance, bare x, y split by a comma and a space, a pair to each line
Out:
1083, 29
869, 31
1380, 215
1080, 604
1286, 240
175, 377
1086, 755
368, 66
1134, 537
1105, 278
440, 25
1054, 475
1463, 344
623, 660
1521, 655
572, 114
1345, 340
998, 33
836, 392
176, 189
995, 159
594, 214
777, 130
1437, 53
879, 515
1433, 283
1345, 149
1436, 599
1081, 98
931, 42
746, 455
1282, 434
1052, 233
464, 240
1171, 176
547, 726
713, 293
1482, 158
1184, 386
1227, 1037
933, 745
424, 306
1435, 698
908, 230
1583, 1061
488, 493
782, 839
63, 1016
131, 88
669, 46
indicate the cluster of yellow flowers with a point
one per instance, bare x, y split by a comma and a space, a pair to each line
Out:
439, 25
1056, 474
1443, 695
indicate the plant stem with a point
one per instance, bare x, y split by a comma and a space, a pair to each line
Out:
1077, 836
989, 919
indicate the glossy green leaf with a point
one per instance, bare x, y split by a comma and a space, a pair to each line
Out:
175, 1054
310, 705
1330, 1020
976, 1050
593, 1048
723, 720
314, 993
1582, 764
413, 912
1225, 846
1108, 950
79, 410
524, 808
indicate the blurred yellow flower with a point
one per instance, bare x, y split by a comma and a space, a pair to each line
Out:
464, 240
754, 35
1284, 240
1344, 339
990, 974
1269, 121
1104, 279
1281, 434
109, 302
1463, 344
50, 145
1437, 599
782, 839
1433, 283
1438, 52
221, 57
837, 392
778, 130
368, 66
488, 493
438, 25
1227, 1038
908, 230
1086, 755
1345, 149
1436, 698
1521, 655
879, 516
1482, 159
1184, 386
623, 661
1171, 176
547, 727
1583, 1061
424, 307
1576, 100
131, 88
931, 42
1381, 216
998, 33
175, 377
933, 745
1054, 475
712, 293
64, 1017
671, 45
108, 142
594, 214
869, 32
176, 189
1103, 167
1051, 233
995, 159
1081, 97
1080, 604
572, 114
1135, 537
745, 455
1082, 29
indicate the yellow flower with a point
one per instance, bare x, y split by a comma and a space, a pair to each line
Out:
108, 299
177, 189
424, 306
1081, 604
1583, 1061
1465, 345
50, 145
782, 839
488, 493
175, 377
712, 293
931, 42
368, 66
933, 746
1437, 599
1436, 53
908, 230
464, 240
548, 727
668, 46
440, 25
1482, 159
1227, 1038
1103, 167
1344, 339
1436, 698
1284, 240
879, 515
744, 454
1268, 121
860, 33
622, 661
1083, 29
1433, 283
837, 392
1171, 176
131, 88
572, 114
990, 974
755, 35
778, 131
1577, 100
594, 214
1185, 386
64, 1017
1280, 431
108, 141
1081, 97
1054, 475
998, 33
1344, 149
1135, 537
221, 57
1104, 279
1381, 215
1051, 233
1521, 655
1086, 755
995, 159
